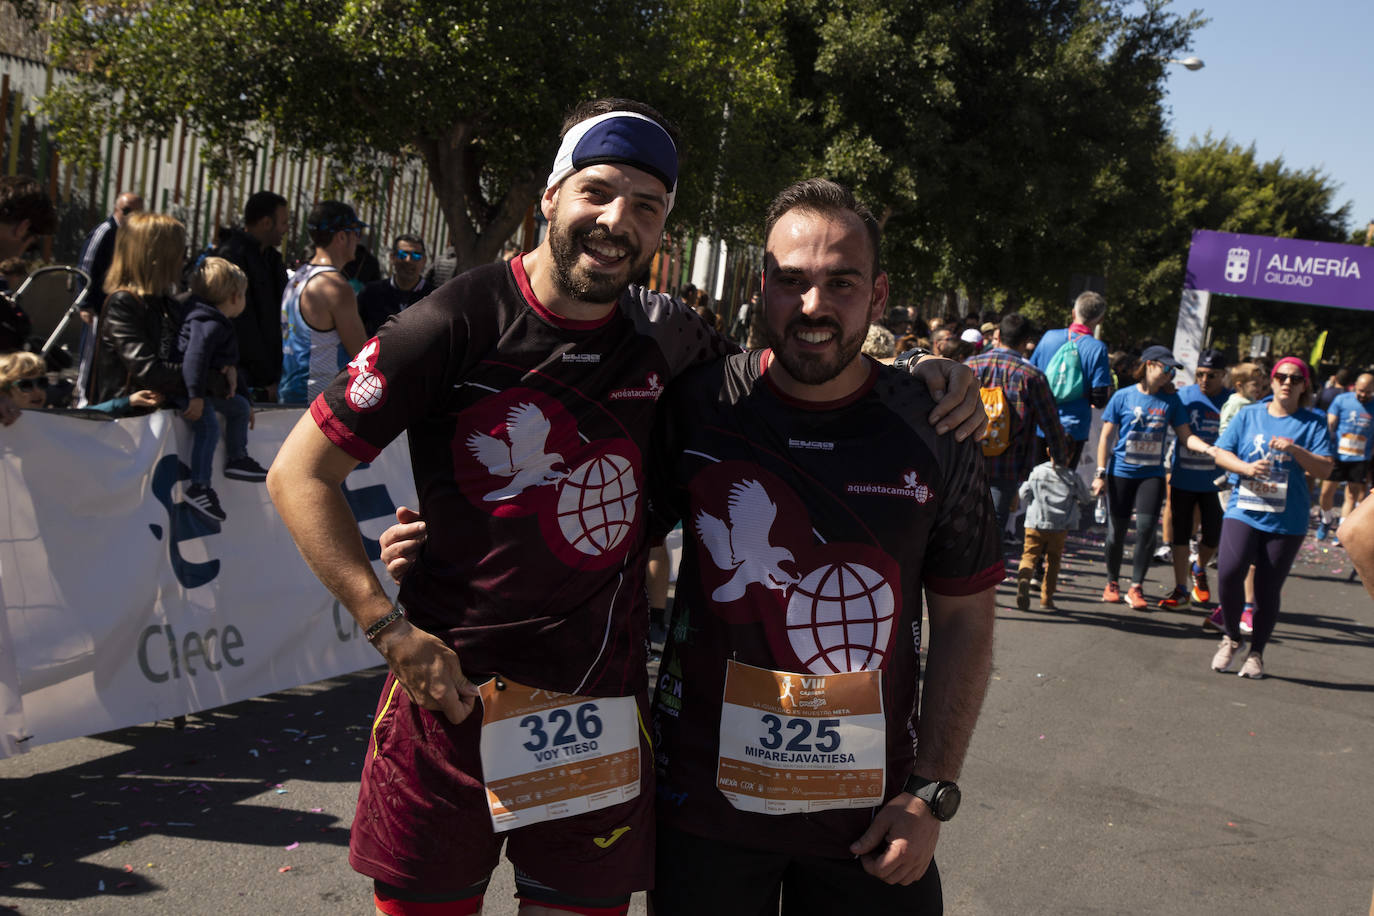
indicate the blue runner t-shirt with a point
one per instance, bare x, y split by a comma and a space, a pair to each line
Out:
1354, 441
1278, 503
1142, 422
1196, 471
1076, 415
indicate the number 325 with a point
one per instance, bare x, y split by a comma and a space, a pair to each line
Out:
827, 735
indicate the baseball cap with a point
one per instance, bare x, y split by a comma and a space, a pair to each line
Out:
1158, 354
333, 216
973, 336
1212, 359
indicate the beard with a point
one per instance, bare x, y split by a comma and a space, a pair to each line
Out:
813, 368
586, 284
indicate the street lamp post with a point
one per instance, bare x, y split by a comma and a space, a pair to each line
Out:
1192, 63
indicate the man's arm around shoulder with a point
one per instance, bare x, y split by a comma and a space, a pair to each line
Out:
957, 671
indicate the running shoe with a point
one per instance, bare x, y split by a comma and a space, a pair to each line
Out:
205, 501
1322, 531
1135, 597
1023, 589
1247, 620
1111, 594
1253, 667
1226, 650
1202, 593
245, 468
1214, 621
1047, 604
1164, 554
1176, 598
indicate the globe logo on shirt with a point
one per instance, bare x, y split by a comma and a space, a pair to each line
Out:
367, 389
839, 617
597, 504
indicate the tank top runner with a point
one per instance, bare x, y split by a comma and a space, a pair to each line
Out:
527, 433
309, 358
809, 533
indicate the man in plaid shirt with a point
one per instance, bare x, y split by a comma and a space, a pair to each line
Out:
1028, 396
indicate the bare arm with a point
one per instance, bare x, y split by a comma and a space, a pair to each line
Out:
328, 302
1105, 443
1357, 537
957, 673
305, 485
1191, 439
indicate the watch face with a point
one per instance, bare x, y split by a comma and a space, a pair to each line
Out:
947, 801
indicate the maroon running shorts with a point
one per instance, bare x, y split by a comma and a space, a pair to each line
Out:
423, 824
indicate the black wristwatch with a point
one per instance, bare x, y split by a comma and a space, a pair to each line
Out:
910, 358
941, 796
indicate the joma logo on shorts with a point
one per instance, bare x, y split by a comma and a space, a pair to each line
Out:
607, 841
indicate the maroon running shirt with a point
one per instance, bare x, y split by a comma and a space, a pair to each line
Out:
527, 433
809, 532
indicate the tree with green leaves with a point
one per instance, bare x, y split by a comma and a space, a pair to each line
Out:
475, 90
1007, 143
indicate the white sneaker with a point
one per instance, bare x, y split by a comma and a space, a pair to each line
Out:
1226, 650
1253, 667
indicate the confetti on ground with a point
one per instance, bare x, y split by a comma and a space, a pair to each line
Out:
128, 868
293, 846
284, 869
1230, 823
1042, 737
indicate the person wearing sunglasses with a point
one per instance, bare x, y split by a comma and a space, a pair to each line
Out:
1130, 465
24, 378
1269, 449
1192, 484
381, 299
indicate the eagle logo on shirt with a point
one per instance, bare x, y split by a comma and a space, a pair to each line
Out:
522, 457
519, 453
743, 544
825, 606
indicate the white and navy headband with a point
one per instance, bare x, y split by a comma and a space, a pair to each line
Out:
624, 137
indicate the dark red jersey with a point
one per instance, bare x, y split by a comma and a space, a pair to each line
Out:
527, 433
809, 533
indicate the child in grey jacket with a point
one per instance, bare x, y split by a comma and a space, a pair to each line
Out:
1054, 496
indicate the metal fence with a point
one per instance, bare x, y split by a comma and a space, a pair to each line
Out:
168, 172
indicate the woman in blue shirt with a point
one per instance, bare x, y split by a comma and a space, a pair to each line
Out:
1130, 465
1269, 448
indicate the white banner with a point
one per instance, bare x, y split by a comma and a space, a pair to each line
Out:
124, 605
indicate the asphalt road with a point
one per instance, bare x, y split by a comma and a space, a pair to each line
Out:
1112, 772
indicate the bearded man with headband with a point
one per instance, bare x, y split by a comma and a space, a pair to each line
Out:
516, 704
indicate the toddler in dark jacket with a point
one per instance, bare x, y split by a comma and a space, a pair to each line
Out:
209, 353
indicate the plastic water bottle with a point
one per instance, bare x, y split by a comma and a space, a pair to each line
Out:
1100, 510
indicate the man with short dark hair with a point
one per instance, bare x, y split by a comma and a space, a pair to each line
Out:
406, 286
1009, 459
819, 506
1075, 414
254, 248
320, 326
1193, 489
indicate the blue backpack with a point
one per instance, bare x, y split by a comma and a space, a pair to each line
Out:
1065, 372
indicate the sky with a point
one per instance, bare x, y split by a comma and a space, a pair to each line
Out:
1296, 79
